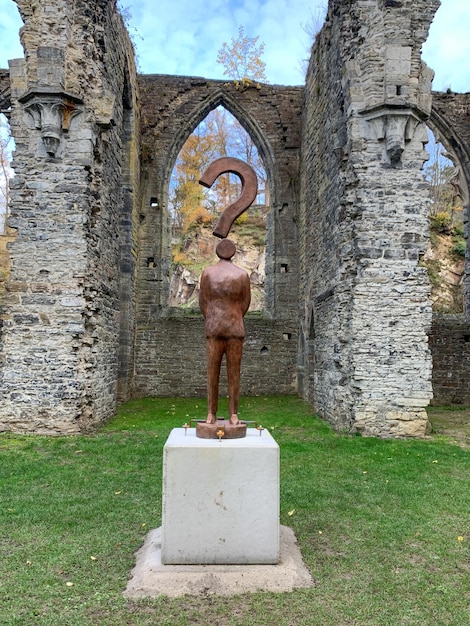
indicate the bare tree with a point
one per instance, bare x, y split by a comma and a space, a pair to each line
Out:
5, 172
312, 27
442, 175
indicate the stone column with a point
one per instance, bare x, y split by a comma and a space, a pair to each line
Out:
366, 310
73, 103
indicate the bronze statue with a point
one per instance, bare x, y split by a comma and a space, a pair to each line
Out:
224, 299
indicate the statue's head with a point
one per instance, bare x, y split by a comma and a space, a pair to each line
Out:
225, 249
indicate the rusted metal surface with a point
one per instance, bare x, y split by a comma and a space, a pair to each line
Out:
224, 299
221, 429
248, 194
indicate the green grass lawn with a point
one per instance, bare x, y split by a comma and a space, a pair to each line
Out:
383, 525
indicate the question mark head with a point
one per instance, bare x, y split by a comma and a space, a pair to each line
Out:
249, 181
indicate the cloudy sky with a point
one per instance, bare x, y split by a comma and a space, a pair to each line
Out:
183, 36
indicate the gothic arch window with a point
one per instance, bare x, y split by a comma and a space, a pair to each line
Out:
194, 210
6, 172
445, 258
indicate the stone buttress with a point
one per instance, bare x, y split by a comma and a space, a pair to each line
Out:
72, 102
365, 305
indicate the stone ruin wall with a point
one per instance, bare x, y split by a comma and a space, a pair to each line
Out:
174, 363
86, 320
170, 350
450, 346
72, 108
366, 308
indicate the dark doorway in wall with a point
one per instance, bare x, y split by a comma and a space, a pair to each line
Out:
194, 210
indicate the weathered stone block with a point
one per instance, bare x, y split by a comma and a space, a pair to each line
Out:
210, 515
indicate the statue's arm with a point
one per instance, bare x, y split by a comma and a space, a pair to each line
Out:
203, 301
246, 299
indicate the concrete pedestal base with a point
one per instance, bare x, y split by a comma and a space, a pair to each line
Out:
150, 578
220, 499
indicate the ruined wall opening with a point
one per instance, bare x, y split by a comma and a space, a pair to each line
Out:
169, 341
127, 244
7, 234
7, 147
194, 210
6, 171
445, 257
448, 336
448, 123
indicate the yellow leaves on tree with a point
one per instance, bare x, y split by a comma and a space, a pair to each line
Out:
242, 59
188, 197
218, 135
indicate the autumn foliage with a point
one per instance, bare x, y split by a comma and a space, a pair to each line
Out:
242, 58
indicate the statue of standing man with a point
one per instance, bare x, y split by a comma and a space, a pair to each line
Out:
224, 299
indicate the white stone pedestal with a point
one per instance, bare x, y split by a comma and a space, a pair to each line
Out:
220, 499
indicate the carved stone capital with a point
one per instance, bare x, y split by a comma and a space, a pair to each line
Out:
395, 125
50, 112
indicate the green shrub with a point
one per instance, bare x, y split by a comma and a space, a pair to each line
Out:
442, 222
460, 246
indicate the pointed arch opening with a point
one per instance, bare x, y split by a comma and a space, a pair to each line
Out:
7, 234
193, 210
445, 257
6, 171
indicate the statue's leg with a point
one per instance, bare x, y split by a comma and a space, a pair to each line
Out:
234, 358
215, 351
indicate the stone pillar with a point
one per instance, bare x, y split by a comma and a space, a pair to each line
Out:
365, 310
61, 322
41, 384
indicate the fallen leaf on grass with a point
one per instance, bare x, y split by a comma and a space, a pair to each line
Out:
291, 513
